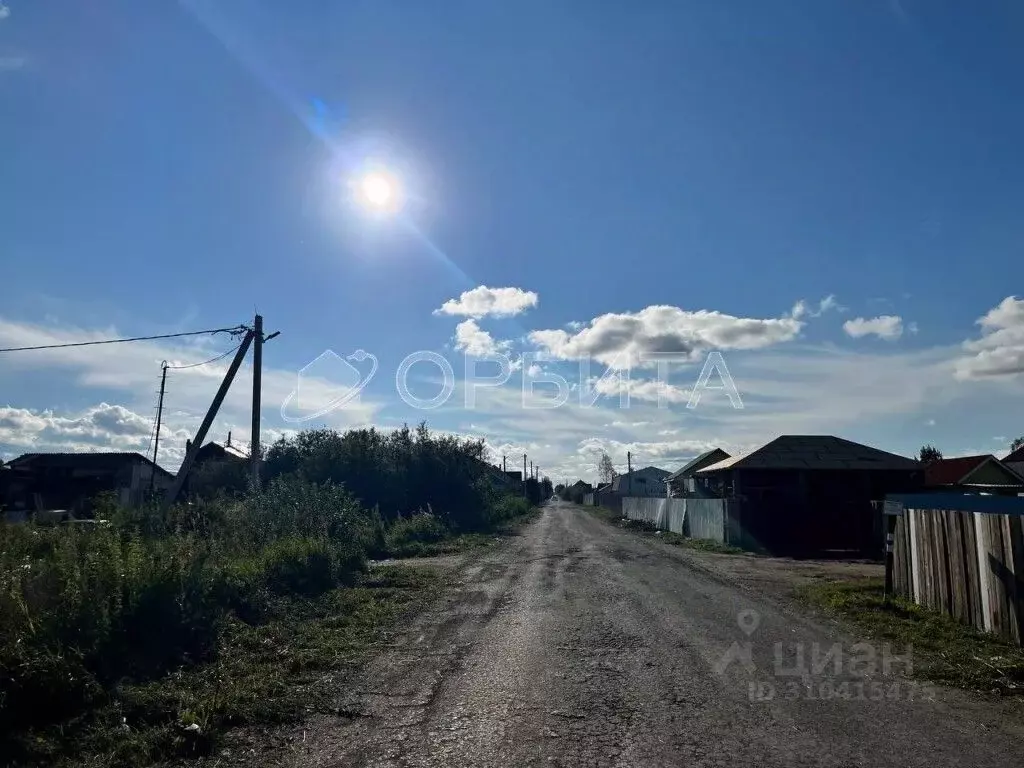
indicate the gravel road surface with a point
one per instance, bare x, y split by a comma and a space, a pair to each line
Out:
578, 644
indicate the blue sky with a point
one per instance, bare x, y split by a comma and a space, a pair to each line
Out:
171, 167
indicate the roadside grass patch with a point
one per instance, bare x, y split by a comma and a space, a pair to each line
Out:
409, 545
287, 665
944, 651
702, 545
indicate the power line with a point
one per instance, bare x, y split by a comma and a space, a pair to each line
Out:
204, 363
236, 329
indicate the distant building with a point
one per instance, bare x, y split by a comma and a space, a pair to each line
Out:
213, 452
649, 481
975, 474
682, 483
217, 467
40, 482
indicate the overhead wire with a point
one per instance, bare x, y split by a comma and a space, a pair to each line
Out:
234, 330
205, 362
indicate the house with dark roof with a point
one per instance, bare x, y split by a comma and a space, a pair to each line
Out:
682, 483
1015, 461
71, 481
218, 452
810, 495
976, 474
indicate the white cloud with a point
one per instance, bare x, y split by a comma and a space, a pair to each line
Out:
888, 327
620, 339
802, 309
648, 390
5, 11
534, 371
475, 341
1000, 349
101, 427
494, 302
667, 454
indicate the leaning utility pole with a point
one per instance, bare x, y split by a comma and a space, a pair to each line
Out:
159, 418
197, 443
257, 383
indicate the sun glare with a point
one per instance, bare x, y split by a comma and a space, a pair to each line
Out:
379, 191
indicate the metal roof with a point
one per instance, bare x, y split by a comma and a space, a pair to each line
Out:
958, 471
705, 459
814, 452
657, 472
91, 460
230, 449
1017, 455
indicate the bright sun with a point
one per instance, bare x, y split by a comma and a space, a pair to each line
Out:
379, 191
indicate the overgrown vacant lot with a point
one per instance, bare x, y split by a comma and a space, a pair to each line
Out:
147, 638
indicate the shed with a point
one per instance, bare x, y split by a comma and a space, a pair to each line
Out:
71, 480
810, 495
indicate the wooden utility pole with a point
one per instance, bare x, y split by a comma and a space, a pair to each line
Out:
257, 383
159, 419
504, 463
524, 475
197, 443
629, 470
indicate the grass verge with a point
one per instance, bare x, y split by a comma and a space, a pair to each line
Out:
450, 545
667, 537
944, 651
290, 664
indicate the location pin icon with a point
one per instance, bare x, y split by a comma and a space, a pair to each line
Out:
748, 619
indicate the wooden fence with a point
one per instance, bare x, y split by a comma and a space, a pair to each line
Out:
963, 556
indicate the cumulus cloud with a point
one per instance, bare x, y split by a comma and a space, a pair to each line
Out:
475, 341
489, 302
888, 327
101, 427
1000, 349
623, 339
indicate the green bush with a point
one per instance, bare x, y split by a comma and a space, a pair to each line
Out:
398, 472
509, 507
407, 535
296, 566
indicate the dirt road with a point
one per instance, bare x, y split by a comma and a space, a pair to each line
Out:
579, 644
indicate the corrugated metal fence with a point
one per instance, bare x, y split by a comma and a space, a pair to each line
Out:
963, 556
698, 518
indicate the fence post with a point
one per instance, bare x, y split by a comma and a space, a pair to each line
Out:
890, 532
